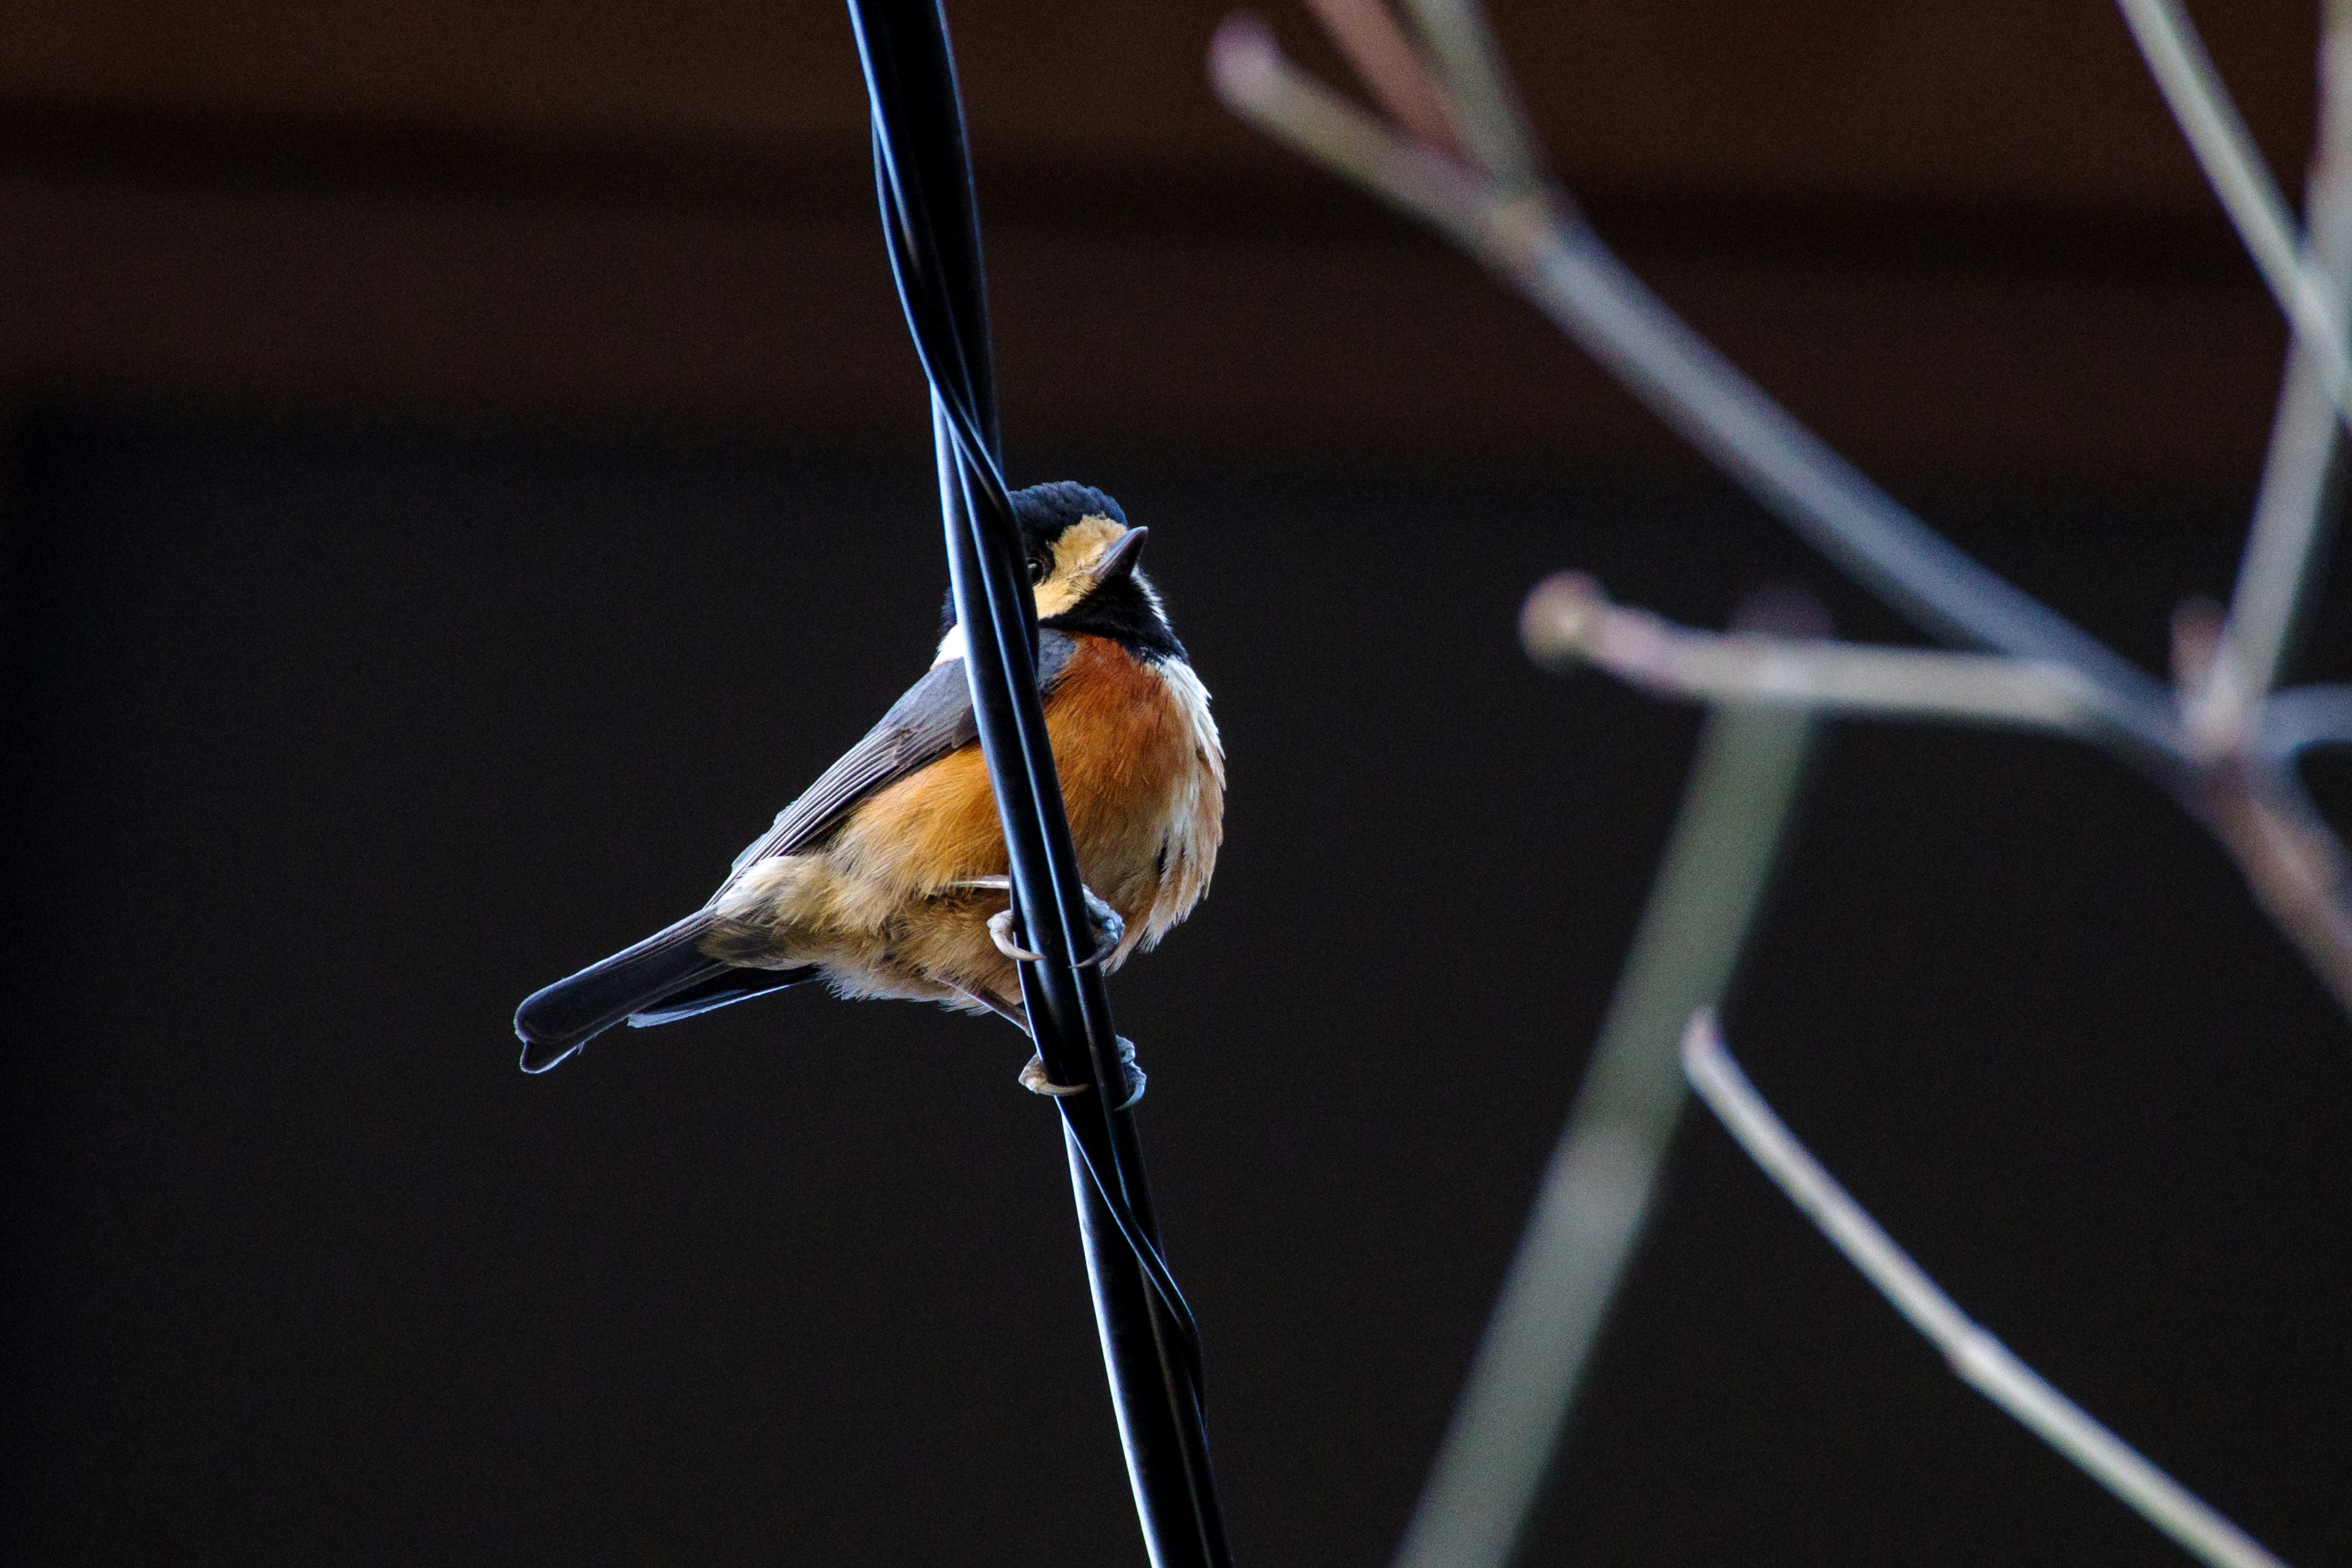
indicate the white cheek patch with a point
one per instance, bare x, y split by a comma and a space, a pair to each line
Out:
951, 645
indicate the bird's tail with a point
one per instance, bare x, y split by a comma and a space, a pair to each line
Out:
665, 976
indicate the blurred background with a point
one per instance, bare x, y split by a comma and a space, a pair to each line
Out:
465, 471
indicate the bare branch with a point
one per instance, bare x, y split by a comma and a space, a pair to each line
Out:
2293, 863
1563, 268
1555, 260
1596, 1189
2292, 860
2303, 718
1567, 619
1980, 1360
1390, 69
2292, 511
1487, 107
2217, 133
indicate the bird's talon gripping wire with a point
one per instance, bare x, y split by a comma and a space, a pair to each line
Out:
1109, 931
1132, 1075
1036, 1080
1000, 932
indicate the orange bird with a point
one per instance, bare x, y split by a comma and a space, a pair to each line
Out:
888, 876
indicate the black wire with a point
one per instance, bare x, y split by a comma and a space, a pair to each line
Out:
1155, 1268
949, 362
945, 344
1098, 1150
930, 221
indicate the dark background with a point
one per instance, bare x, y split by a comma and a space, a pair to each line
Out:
465, 474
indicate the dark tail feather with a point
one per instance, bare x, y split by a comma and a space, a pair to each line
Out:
558, 1021
720, 991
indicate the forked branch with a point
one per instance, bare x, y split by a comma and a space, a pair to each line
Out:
2210, 742
1976, 1356
2220, 738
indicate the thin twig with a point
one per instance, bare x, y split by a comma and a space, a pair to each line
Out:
2233, 165
2292, 861
1980, 1360
1391, 69
1560, 264
1567, 620
1596, 1189
2054, 676
2303, 718
2292, 510
1487, 108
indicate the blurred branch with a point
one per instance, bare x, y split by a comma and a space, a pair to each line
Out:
1391, 68
1562, 266
1596, 1188
2294, 865
1976, 1356
2217, 133
2292, 861
2217, 740
2305, 718
2217, 761
2294, 508
1491, 117
1568, 620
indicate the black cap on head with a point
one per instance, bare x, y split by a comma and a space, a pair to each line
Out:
1045, 510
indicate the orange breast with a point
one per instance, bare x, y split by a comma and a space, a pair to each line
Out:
1123, 748
1121, 744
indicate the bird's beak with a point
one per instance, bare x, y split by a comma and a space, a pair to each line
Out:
1120, 558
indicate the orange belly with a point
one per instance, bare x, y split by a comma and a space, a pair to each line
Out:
880, 905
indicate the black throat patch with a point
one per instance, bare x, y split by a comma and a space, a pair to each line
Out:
1124, 612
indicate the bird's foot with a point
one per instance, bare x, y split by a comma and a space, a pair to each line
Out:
1109, 931
1035, 1079
1000, 932
1133, 1081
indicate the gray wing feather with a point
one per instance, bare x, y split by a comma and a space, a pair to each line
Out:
932, 720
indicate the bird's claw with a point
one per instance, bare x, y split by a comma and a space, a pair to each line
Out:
1000, 932
1133, 1077
1109, 931
1036, 1080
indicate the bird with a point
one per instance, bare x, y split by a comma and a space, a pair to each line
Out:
887, 877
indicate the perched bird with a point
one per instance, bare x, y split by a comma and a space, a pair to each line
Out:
889, 877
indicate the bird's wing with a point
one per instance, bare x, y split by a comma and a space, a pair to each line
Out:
932, 720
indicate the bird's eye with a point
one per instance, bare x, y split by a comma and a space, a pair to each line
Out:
1038, 566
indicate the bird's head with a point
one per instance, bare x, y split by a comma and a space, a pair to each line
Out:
1083, 560
1077, 543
